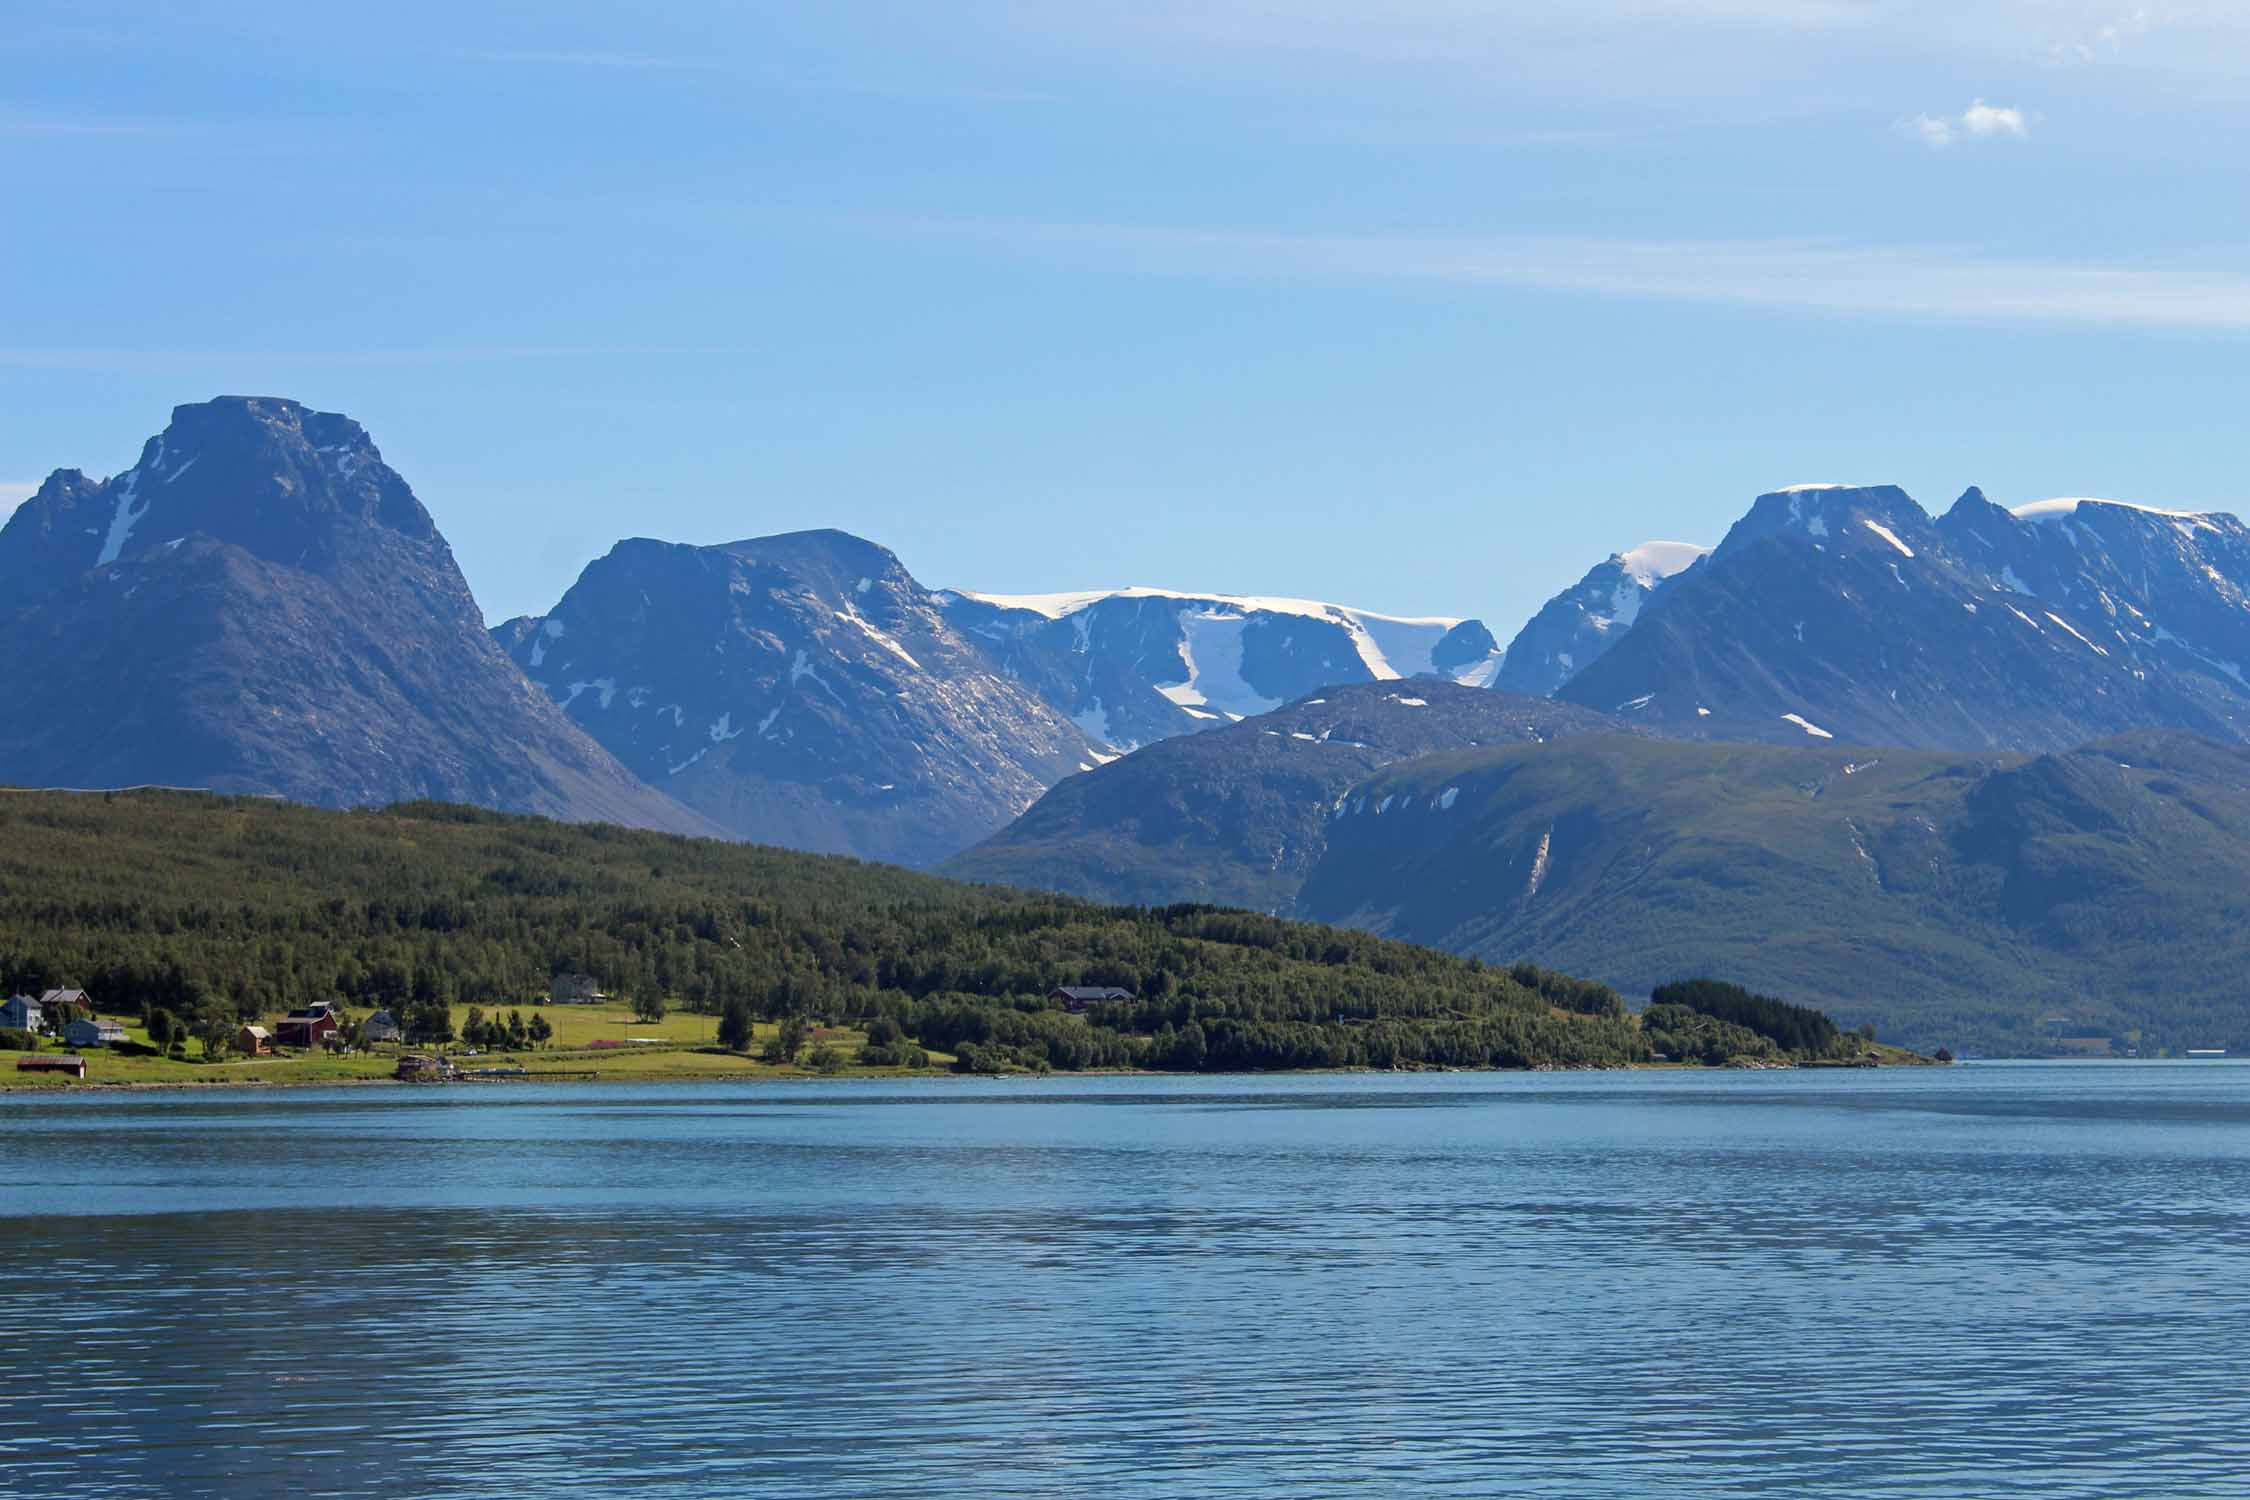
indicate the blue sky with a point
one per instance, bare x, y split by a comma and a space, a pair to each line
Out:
1423, 306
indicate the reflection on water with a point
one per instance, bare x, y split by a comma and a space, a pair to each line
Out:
1986, 1281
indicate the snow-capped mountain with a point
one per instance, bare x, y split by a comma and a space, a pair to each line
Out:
260, 604
1131, 666
802, 690
1847, 612
1574, 628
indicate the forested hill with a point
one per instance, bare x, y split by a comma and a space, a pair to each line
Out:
196, 902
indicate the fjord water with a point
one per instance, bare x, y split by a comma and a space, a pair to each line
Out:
1987, 1280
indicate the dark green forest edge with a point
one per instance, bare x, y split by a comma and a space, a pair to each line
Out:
214, 909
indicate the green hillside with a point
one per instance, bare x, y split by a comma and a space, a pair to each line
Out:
210, 906
1989, 901
1238, 816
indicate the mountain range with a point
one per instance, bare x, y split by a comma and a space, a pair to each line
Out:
261, 604
1848, 612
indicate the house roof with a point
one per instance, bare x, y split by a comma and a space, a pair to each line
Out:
1093, 992
257, 1031
103, 1024
67, 997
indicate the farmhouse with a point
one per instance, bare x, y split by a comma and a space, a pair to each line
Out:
1080, 996
308, 1027
21, 1012
56, 999
94, 1033
578, 989
382, 1026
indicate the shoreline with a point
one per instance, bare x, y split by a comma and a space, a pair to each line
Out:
189, 1085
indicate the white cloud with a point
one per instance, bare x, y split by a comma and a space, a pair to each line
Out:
1978, 120
1981, 118
1803, 275
1932, 130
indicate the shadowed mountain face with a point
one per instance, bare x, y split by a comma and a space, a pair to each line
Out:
1956, 898
801, 690
1239, 815
261, 604
1848, 613
1572, 631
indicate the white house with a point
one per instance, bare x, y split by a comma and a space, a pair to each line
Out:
94, 1033
21, 1013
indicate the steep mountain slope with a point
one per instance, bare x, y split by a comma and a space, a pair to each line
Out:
261, 604
1573, 629
1239, 815
1138, 665
1951, 898
800, 690
1835, 611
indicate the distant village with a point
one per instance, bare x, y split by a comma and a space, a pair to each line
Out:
71, 1019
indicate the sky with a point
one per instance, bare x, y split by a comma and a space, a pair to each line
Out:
1424, 306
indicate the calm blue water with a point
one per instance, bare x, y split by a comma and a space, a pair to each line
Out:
1988, 1281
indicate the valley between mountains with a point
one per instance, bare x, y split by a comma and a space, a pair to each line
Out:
1980, 777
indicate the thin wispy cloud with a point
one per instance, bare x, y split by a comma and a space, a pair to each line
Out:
636, 60
1801, 275
1415, 40
1980, 121
193, 362
13, 123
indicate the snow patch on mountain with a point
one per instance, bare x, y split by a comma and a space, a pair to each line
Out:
1212, 649
130, 509
1388, 645
1888, 535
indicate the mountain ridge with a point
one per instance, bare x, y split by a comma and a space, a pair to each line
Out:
262, 604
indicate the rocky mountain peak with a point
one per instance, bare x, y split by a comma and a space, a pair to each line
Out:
1831, 515
1573, 629
285, 483
261, 604
800, 689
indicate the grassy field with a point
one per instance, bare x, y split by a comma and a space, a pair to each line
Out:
682, 1046
679, 1048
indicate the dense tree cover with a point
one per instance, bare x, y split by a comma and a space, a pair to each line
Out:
1790, 1028
238, 907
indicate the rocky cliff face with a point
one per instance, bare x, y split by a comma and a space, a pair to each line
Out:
801, 690
261, 604
1845, 612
